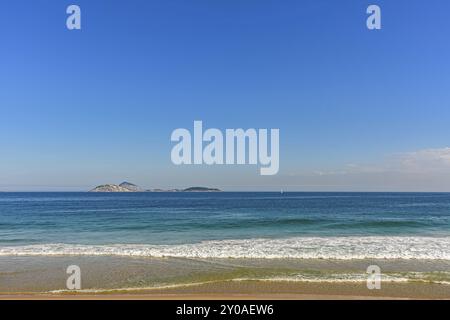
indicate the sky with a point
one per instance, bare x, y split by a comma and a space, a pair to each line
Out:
357, 109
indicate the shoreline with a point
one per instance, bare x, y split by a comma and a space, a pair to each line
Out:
180, 278
255, 290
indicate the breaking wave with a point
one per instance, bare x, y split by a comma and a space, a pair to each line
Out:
344, 248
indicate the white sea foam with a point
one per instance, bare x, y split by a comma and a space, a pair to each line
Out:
350, 278
376, 247
345, 279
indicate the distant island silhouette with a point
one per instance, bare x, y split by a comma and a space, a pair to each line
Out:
131, 187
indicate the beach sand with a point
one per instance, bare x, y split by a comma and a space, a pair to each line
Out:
258, 290
187, 279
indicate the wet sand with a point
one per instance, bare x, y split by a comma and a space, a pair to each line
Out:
262, 290
186, 279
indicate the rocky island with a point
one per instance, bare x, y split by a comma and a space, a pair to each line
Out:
130, 187
123, 187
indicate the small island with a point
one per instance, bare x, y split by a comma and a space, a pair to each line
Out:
130, 187
201, 189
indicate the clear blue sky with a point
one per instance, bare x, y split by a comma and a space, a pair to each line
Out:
354, 107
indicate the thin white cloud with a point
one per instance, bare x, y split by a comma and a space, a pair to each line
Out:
427, 160
421, 170
421, 161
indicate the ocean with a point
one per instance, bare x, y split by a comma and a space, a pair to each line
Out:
266, 235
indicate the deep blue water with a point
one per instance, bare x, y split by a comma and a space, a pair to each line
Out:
177, 218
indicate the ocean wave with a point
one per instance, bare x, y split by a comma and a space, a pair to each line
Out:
418, 277
341, 248
354, 278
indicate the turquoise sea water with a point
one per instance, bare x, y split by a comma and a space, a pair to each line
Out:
228, 224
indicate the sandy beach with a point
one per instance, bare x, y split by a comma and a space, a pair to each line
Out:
256, 290
191, 279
